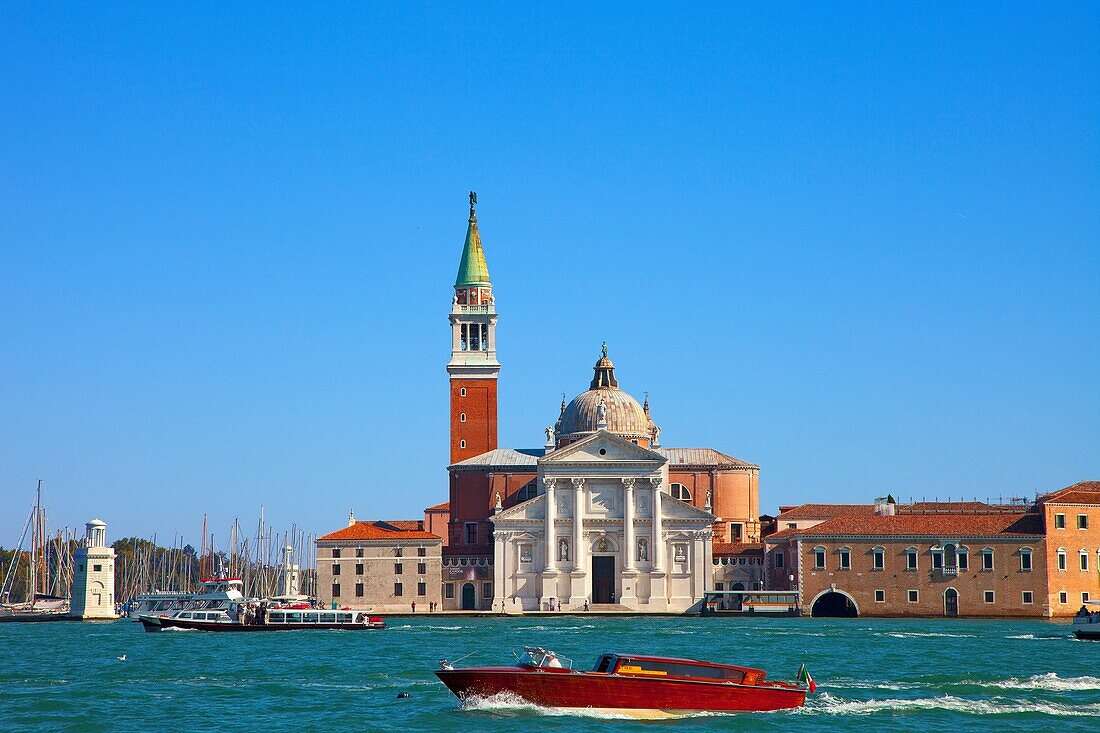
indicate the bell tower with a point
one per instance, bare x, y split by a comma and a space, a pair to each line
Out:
473, 367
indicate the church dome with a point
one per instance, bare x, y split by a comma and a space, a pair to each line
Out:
622, 413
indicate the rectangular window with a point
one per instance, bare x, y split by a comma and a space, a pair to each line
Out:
1061, 560
845, 559
335, 552
913, 596
471, 533
1028, 597
878, 559
911, 560
1084, 561
989, 596
1063, 597
792, 525
1025, 562
937, 559
421, 552
487, 590
335, 569
964, 561
449, 590
398, 589
97, 568
399, 552
1084, 596
1082, 521
1059, 521
398, 568
358, 590
358, 568
987, 559
335, 590
819, 559
735, 531
779, 559
359, 552
421, 568
421, 588
880, 596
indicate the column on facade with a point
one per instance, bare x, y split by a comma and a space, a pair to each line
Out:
551, 516
628, 522
658, 549
500, 572
578, 522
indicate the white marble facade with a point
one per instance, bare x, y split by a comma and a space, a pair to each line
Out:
592, 534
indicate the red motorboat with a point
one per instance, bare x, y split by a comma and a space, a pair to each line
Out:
631, 684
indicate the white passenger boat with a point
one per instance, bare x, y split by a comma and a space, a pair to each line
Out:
1086, 624
236, 618
217, 594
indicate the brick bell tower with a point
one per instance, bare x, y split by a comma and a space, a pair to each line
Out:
473, 367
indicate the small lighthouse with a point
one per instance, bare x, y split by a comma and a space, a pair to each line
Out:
93, 591
290, 573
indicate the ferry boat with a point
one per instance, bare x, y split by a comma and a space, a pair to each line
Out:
635, 685
1086, 624
218, 594
158, 602
235, 619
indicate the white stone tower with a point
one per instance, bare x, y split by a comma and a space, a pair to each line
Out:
290, 573
93, 591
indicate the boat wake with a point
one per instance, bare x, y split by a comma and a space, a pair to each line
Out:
826, 704
927, 634
511, 703
1049, 681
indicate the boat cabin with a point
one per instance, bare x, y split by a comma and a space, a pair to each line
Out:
310, 617
634, 666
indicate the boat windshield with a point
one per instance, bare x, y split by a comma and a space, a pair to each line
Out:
538, 657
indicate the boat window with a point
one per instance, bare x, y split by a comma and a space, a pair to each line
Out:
604, 664
343, 618
310, 618
185, 614
294, 618
278, 617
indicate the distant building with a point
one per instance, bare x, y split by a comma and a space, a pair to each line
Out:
940, 558
379, 565
93, 589
601, 513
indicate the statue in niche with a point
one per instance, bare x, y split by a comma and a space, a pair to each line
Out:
602, 545
497, 505
708, 497
681, 553
643, 550
563, 550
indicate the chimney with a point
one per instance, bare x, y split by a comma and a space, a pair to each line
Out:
884, 506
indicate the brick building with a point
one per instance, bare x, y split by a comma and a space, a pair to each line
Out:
379, 565
940, 558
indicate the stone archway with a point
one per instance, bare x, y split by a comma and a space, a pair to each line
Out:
469, 597
834, 603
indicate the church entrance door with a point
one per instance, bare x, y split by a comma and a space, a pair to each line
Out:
469, 598
603, 580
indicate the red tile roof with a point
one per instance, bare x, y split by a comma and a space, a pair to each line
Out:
823, 511
382, 530
1084, 492
444, 507
928, 525
733, 549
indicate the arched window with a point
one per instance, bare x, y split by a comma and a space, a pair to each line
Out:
462, 417
462, 444
1061, 558
530, 491
462, 392
679, 491
963, 558
1025, 560
845, 558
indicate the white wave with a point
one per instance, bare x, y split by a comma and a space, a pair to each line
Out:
928, 634
867, 685
1048, 681
827, 705
1055, 637
176, 628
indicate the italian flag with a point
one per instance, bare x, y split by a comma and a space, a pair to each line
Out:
805, 678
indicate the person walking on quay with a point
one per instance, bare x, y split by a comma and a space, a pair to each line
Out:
414, 606
586, 604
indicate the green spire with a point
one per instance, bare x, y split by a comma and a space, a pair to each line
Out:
472, 270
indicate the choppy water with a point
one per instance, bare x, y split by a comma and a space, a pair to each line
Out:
872, 675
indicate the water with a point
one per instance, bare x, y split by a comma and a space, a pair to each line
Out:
872, 675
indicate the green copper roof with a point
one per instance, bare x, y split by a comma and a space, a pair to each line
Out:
472, 270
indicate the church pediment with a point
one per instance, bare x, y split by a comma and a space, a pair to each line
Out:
530, 509
675, 509
603, 447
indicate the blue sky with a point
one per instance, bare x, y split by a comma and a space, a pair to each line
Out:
856, 245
